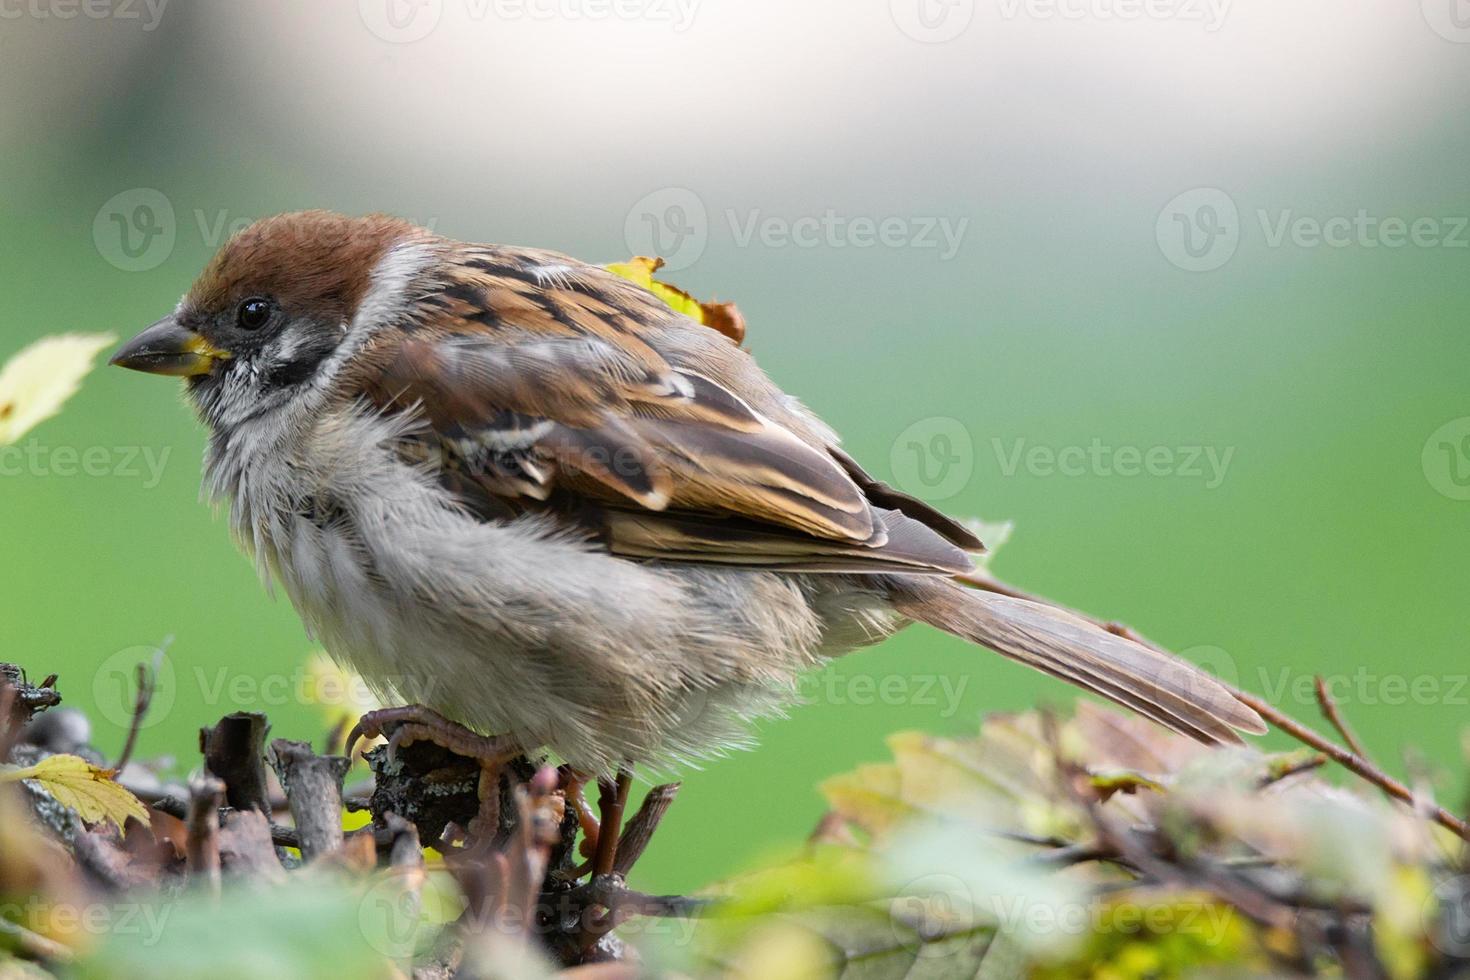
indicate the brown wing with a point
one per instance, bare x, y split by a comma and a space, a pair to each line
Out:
550, 384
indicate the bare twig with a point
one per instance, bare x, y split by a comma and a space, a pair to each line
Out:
1304, 765
313, 785
206, 794
245, 846
33, 945
141, 702
612, 798
1334, 717
640, 829
1352, 761
234, 750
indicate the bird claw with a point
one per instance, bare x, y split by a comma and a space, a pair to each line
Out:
415, 723
412, 723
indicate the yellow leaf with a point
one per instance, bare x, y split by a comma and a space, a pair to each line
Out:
38, 381
83, 787
723, 317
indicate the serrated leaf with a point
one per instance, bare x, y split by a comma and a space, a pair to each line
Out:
36, 382
78, 785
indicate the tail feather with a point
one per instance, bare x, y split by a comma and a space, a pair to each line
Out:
1170, 691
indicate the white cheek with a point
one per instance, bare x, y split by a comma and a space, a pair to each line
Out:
285, 348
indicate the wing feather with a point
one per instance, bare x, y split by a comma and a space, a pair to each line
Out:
562, 389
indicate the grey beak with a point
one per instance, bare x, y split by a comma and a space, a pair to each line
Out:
168, 348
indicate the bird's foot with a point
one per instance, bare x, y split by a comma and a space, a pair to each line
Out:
402, 726
574, 787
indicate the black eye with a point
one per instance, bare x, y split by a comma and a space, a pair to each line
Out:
253, 314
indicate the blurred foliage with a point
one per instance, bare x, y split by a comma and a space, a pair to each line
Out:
1101, 847
37, 381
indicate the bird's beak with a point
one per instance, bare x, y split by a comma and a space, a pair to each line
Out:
168, 348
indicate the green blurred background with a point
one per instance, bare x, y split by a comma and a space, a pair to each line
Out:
1073, 312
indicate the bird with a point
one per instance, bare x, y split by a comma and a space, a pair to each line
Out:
551, 513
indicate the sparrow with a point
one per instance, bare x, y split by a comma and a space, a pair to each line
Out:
532, 498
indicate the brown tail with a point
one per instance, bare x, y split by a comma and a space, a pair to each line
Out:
1172, 692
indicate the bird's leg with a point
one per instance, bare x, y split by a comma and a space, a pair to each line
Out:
415, 723
574, 784
612, 798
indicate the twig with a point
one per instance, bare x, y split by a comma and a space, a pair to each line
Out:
1334, 717
245, 846
33, 945
639, 831
206, 794
1352, 761
612, 797
1305, 765
140, 709
313, 785
234, 750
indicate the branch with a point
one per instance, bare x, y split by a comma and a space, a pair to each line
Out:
1335, 718
1352, 761
234, 750
140, 710
313, 785
202, 849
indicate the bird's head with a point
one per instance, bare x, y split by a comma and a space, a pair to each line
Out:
278, 306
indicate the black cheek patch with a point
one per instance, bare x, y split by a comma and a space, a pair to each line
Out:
305, 361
